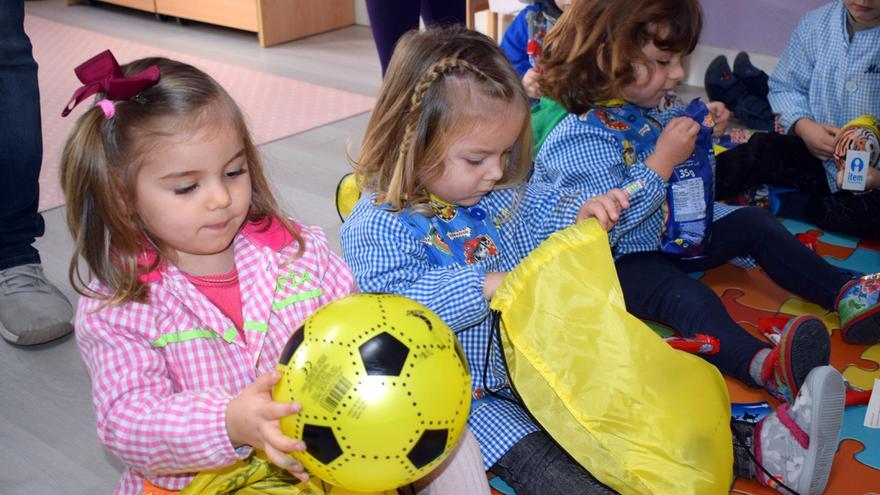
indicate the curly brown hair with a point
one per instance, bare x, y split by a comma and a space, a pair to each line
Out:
591, 54
425, 101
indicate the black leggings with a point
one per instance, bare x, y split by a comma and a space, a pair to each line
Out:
657, 287
784, 160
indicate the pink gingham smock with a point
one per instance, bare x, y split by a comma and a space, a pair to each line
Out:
162, 373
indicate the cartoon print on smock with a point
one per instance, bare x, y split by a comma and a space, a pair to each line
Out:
443, 211
454, 234
633, 129
478, 249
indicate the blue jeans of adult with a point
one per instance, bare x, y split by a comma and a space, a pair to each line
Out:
389, 19
21, 142
657, 287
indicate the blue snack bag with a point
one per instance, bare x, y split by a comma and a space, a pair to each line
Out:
687, 211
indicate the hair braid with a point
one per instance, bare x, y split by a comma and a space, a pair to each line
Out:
405, 152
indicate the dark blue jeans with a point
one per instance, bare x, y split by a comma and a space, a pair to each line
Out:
21, 143
536, 465
657, 287
389, 19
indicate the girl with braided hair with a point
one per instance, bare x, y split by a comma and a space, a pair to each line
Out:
448, 213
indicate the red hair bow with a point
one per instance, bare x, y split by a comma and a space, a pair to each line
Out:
102, 74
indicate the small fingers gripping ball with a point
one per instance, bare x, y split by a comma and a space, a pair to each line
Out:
385, 391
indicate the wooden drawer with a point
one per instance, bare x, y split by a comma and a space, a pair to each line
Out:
239, 14
285, 20
275, 21
148, 5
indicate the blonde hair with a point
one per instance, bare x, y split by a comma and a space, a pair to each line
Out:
591, 54
415, 116
101, 161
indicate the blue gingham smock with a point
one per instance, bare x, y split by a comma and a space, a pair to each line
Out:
577, 154
826, 77
387, 256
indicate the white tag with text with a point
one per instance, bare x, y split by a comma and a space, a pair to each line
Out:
855, 171
872, 415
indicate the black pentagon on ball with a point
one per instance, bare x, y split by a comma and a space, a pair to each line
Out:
292, 345
383, 355
430, 446
321, 443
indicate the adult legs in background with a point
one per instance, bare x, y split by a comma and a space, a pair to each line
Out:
389, 19
32, 311
784, 160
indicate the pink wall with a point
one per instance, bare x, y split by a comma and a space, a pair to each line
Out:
756, 26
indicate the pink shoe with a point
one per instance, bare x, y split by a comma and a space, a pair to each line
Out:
803, 345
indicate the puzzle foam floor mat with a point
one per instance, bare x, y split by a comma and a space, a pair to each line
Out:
750, 295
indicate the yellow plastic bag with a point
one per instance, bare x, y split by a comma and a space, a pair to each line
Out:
638, 415
347, 195
257, 476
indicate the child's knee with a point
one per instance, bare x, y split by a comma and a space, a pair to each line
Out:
756, 219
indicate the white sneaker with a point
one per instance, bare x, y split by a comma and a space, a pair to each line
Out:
797, 442
32, 310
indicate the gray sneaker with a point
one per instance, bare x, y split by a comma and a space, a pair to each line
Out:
32, 310
797, 443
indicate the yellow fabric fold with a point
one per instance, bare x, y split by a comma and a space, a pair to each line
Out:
637, 414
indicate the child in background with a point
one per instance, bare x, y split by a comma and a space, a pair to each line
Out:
446, 216
828, 75
199, 278
614, 82
530, 26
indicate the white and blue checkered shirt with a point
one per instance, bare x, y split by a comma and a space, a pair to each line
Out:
826, 77
387, 256
579, 155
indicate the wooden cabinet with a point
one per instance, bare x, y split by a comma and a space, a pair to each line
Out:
148, 5
275, 21
239, 14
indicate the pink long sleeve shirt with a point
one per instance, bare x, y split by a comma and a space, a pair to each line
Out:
163, 373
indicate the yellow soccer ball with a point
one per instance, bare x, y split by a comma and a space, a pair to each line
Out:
385, 391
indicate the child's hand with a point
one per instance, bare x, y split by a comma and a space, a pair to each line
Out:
605, 208
819, 138
531, 80
491, 283
873, 179
675, 145
252, 419
721, 116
